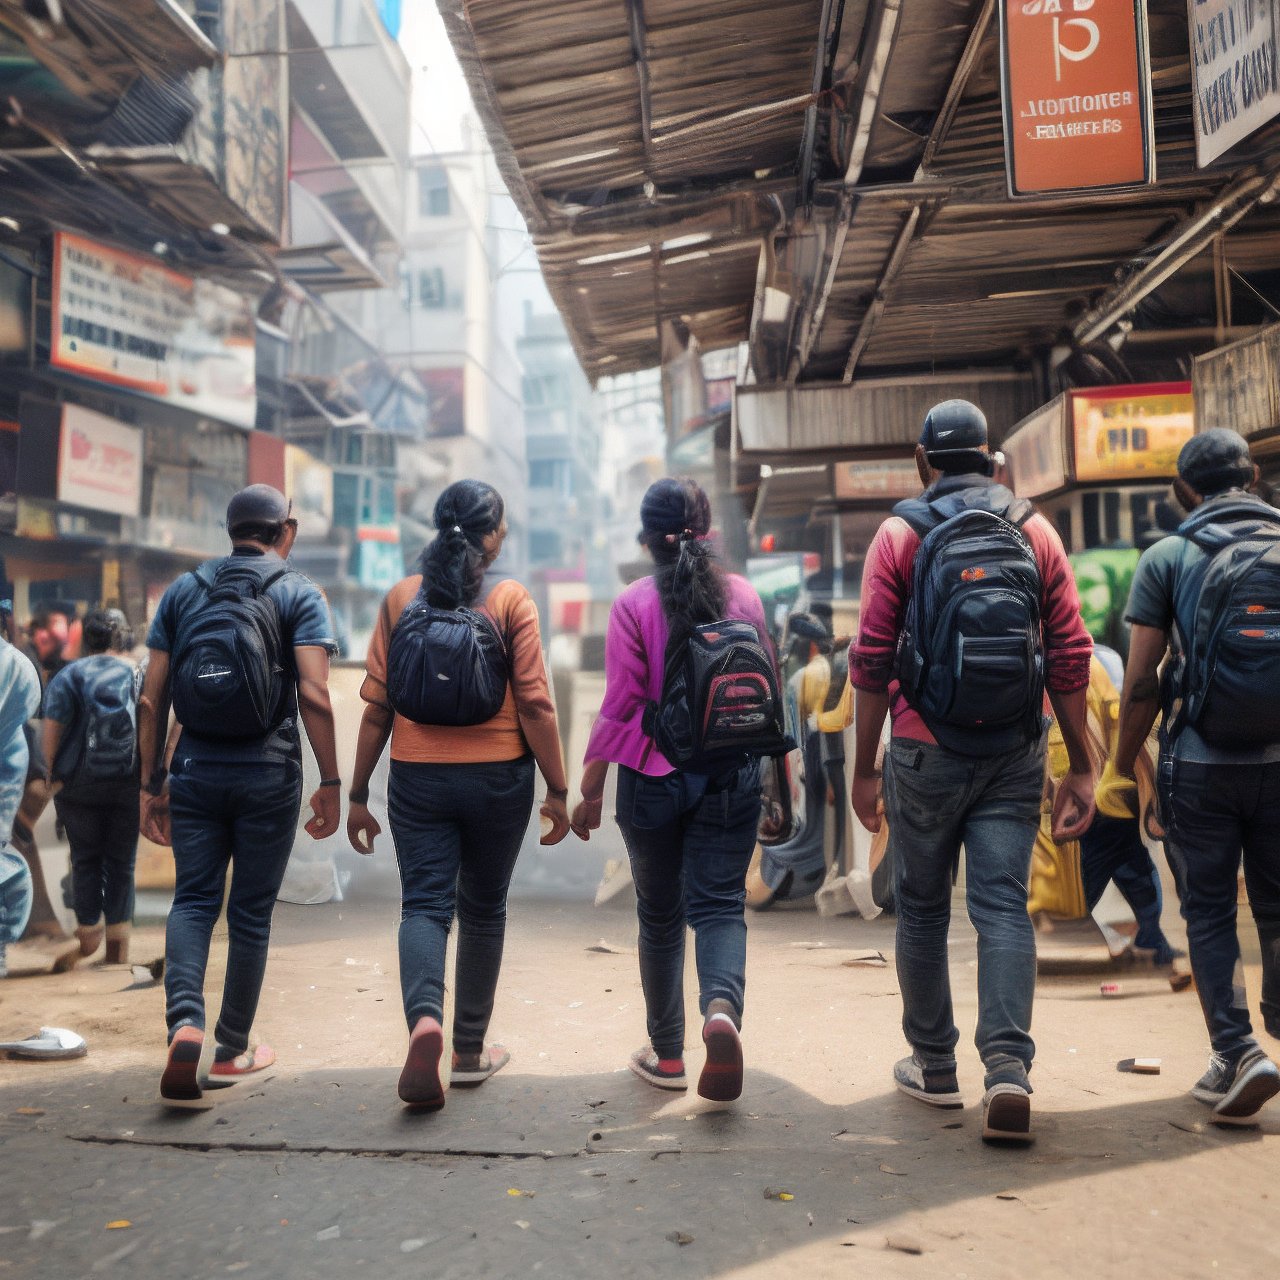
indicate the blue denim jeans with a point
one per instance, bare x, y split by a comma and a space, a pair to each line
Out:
15, 898
1217, 813
102, 830
457, 830
938, 801
1113, 849
690, 840
242, 816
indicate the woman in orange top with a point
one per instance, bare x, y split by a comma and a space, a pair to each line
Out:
459, 797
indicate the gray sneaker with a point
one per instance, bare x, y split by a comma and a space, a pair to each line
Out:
935, 1086
1238, 1090
1006, 1114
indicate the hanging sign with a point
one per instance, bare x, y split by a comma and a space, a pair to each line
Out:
1076, 84
1234, 71
1130, 433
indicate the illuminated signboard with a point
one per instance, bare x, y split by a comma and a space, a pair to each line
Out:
1130, 433
1076, 86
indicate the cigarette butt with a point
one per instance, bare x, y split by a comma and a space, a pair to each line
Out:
1109, 988
1140, 1066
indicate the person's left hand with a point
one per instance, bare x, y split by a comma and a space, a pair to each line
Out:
866, 801
326, 806
1073, 806
555, 811
586, 817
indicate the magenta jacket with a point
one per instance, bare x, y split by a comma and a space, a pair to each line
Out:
634, 649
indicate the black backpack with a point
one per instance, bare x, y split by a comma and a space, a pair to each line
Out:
720, 699
970, 656
229, 678
105, 744
446, 666
1229, 668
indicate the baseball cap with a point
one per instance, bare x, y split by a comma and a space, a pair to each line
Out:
258, 504
954, 426
1215, 460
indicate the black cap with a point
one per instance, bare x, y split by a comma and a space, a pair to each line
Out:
954, 426
1215, 460
258, 504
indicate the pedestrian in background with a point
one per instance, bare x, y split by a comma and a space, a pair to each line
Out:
455, 679
241, 647
1212, 591
90, 740
689, 826
19, 700
969, 613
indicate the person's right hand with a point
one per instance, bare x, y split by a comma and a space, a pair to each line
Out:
1073, 806
362, 828
153, 817
586, 818
326, 808
866, 801
555, 811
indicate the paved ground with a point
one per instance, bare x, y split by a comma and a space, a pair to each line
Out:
565, 1166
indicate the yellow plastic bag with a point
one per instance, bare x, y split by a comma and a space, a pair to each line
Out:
1057, 885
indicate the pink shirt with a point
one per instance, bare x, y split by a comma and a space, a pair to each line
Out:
635, 649
886, 587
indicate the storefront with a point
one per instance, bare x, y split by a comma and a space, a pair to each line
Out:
126, 423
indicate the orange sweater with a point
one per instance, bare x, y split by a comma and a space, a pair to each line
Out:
527, 721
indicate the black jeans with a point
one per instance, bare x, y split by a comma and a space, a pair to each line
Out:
102, 829
457, 830
245, 816
1217, 813
690, 840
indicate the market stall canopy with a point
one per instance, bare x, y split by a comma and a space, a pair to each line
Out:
827, 182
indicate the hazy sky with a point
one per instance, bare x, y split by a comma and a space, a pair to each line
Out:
440, 97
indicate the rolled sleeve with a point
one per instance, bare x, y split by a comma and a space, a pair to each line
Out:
1068, 646
1151, 594
307, 618
885, 588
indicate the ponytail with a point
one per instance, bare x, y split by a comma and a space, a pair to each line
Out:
676, 519
453, 563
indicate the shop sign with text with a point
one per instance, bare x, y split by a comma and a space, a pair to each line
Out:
873, 481
99, 462
128, 320
1036, 454
1234, 71
1076, 85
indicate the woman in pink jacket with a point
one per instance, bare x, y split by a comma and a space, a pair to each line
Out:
690, 837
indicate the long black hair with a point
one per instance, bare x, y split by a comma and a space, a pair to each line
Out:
675, 519
453, 562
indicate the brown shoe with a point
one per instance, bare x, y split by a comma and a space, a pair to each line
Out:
118, 943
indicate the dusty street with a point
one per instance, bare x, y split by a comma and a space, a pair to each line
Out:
565, 1165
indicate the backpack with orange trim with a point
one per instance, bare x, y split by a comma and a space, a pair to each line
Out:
970, 657
1228, 673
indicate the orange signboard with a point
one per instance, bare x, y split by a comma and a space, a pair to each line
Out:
1131, 433
1076, 86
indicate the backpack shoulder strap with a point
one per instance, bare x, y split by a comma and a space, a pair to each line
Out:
1232, 522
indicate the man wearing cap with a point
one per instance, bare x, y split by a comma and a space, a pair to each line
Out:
1218, 799
980, 789
230, 799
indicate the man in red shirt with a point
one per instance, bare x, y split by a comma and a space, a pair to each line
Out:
976, 784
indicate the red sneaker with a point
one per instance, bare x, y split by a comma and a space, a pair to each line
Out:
185, 1073
420, 1080
721, 1078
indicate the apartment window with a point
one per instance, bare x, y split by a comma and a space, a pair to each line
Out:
433, 193
431, 288
545, 473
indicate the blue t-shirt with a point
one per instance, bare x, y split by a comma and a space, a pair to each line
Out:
304, 623
1166, 587
67, 693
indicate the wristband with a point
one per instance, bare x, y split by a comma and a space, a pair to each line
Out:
560, 793
331, 782
359, 795
156, 784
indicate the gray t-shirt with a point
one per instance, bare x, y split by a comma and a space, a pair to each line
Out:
1166, 586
